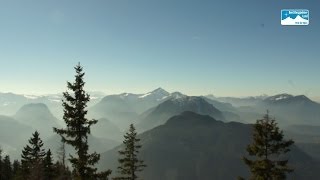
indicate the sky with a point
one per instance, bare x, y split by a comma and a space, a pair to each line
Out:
221, 47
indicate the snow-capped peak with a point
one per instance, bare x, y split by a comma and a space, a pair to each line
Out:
159, 93
177, 95
31, 96
280, 97
145, 95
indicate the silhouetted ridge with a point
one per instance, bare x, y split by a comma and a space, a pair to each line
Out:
189, 118
287, 98
175, 106
188, 103
160, 91
190, 146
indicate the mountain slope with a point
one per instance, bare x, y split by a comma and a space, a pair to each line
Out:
290, 109
175, 106
106, 129
116, 109
95, 144
38, 116
197, 147
10, 103
237, 101
123, 109
11, 128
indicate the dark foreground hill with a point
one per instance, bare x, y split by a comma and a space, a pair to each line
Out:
197, 147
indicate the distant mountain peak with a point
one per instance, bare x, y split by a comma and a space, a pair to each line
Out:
38, 116
35, 105
178, 95
159, 93
177, 105
159, 90
34, 109
126, 95
31, 96
288, 98
279, 97
179, 98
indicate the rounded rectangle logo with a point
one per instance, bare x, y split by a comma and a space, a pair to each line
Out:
294, 17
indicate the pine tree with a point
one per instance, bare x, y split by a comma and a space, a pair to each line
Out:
267, 147
48, 166
7, 168
16, 169
130, 165
32, 158
78, 129
62, 172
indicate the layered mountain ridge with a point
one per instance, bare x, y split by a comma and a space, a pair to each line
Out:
190, 146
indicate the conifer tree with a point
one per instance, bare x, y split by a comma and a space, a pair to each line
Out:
48, 166
16, 169
130, 165
62, 172
7, 168
268, 147
32, 158
78, 128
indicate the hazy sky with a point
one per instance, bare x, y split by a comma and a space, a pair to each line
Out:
221, 47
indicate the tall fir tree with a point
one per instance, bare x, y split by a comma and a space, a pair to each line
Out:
48, 169
78, 128
7, 168
130, 165
268, 147
32, 158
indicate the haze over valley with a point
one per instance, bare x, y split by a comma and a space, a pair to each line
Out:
212, 131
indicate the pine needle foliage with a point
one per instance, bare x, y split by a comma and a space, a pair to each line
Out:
78, 128
268, 148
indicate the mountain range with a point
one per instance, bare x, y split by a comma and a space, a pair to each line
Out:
10, 103
291, 109
176, 105
192, 132
191, 146
37, 116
